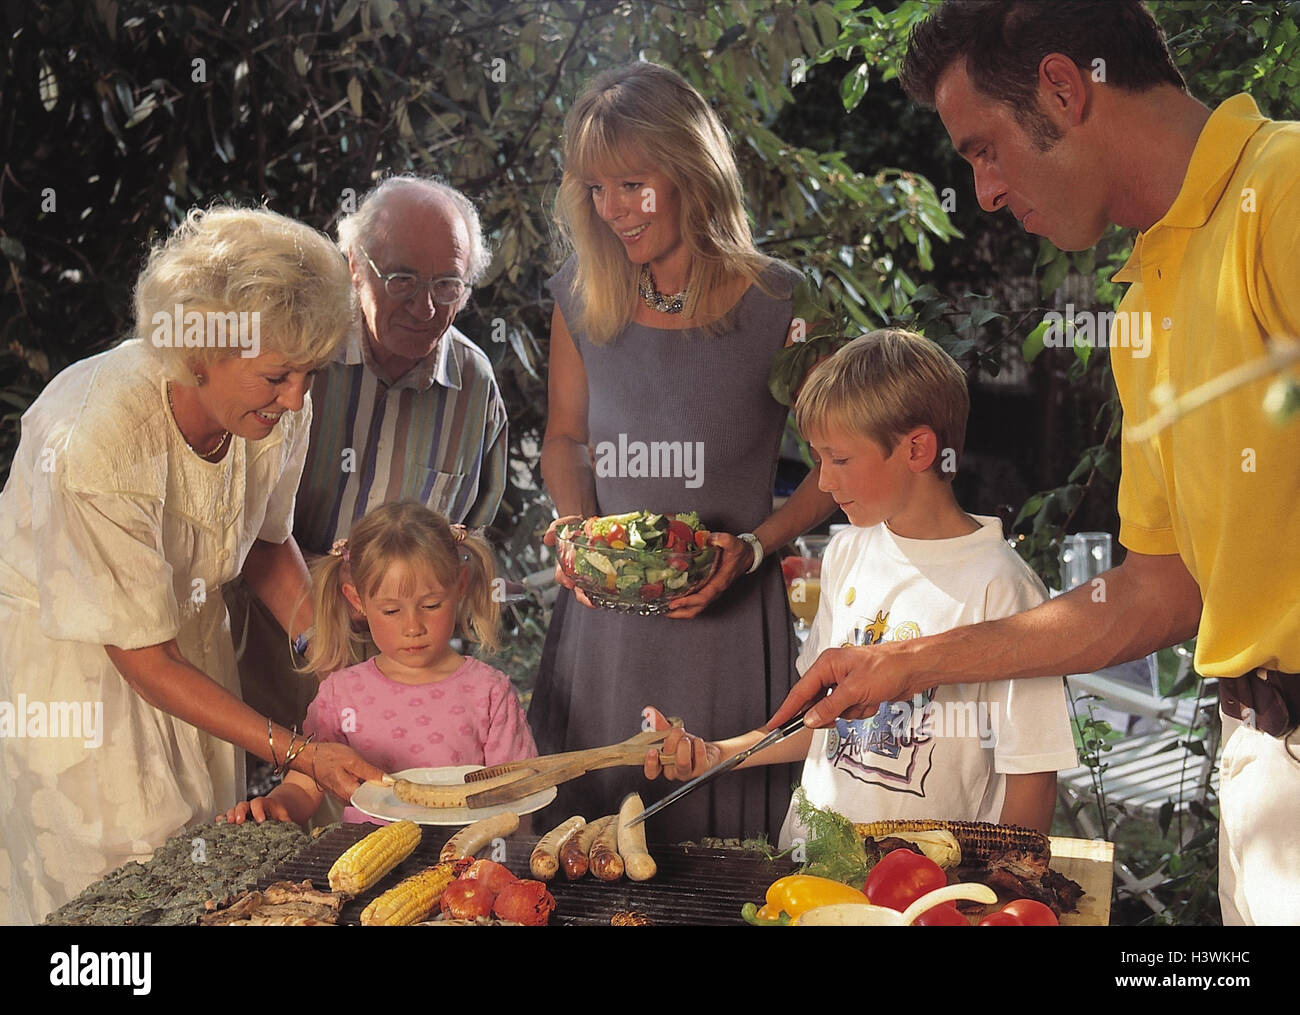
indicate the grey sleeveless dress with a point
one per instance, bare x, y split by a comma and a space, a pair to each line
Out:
726, 670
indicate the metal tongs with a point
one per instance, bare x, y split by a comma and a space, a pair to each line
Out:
791, 727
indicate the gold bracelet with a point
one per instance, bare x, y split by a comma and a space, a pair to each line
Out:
270, 739
294, 752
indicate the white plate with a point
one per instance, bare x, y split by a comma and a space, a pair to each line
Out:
379, 801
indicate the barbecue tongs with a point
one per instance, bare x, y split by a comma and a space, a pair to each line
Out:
536, 774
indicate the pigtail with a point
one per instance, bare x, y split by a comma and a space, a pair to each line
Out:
479, 612
331, 646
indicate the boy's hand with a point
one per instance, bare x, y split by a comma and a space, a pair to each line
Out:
737, 556
693, 755
259, 809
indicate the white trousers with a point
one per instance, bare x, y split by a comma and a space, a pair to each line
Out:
1259, 827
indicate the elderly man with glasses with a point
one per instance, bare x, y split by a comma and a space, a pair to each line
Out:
408, 410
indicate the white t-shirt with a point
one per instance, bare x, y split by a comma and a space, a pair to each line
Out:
944, 754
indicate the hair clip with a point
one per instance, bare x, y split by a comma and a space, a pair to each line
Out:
340, 549
459, 532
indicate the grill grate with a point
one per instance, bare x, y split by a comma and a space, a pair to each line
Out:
694, 887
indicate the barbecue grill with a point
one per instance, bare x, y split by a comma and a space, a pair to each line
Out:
695, 886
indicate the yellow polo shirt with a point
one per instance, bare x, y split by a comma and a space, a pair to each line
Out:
1220, 277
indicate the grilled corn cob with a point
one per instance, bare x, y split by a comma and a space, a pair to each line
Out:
365, 862
978, 840
412, 900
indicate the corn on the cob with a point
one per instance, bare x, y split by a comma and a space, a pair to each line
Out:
365, 862
978, 840
412, 900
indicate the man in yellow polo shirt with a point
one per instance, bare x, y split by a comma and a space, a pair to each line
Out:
1073, 116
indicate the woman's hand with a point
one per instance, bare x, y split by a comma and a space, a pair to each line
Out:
336, 768
259, 809
693, 755
737, 557
560, 577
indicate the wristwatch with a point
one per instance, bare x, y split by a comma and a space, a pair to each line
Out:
754, 545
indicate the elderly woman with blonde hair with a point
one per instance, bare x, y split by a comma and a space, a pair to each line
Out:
145, 478
667, 318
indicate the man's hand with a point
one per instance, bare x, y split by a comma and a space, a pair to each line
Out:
736, 558
862, 677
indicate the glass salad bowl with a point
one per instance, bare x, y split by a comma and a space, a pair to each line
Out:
637, 562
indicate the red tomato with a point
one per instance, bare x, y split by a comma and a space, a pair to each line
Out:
653, 590
702, 538
1022, 913
945, 914
678, 563
902, 877
680, 533
616, 531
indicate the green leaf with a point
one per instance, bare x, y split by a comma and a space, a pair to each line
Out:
828, 25
1047, 253
1201, 838
854, 86
1054, 275
346, 13
1033, 344
1083, 468
727, 38
1082, 350
13, 249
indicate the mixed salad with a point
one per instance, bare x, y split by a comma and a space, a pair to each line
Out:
639, 554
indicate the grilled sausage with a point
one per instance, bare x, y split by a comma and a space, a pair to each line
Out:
603, 859
470, 839
638, 863
545, 861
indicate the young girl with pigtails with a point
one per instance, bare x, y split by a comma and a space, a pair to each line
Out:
415, 580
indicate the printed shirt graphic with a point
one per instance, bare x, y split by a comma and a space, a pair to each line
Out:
944, 753
894, 749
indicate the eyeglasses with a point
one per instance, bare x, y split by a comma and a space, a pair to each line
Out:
402, 285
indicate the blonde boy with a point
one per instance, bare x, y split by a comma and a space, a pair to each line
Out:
886, 418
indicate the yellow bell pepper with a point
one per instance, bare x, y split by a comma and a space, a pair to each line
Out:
798, 893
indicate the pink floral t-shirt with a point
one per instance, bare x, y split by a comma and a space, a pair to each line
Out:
470, 718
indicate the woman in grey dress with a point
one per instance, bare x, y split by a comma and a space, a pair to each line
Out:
651, 203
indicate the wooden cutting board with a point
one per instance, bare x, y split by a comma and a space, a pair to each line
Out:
1091, 862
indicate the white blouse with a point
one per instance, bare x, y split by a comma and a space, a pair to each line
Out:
113, 532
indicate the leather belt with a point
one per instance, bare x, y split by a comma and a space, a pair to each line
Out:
1267, 700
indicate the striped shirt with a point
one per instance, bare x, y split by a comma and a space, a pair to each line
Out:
437, 435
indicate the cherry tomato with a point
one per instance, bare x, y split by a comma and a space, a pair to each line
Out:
902, 877
1021, 913
945, 914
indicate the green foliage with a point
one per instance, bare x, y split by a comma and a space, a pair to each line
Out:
120, 116
833, 849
